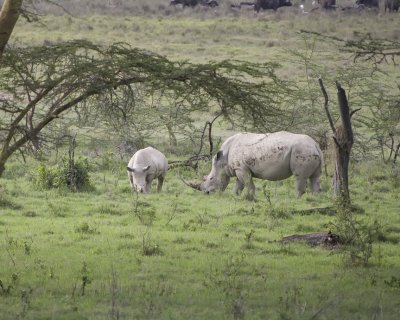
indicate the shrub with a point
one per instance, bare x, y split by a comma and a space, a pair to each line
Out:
73, 175
357, 237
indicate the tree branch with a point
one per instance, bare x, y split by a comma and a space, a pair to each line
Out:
9, 15
328, 114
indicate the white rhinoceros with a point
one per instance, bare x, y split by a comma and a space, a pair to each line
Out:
270, 156
144, 166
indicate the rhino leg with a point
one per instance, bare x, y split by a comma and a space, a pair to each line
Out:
315, 185
147, 187
131, 181
238, 187
160, 183
245, 178
301, 185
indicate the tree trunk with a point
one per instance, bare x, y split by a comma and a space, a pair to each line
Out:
343, 143
343, 138
9, 15
341, 172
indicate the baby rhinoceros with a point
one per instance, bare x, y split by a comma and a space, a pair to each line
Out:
144, 166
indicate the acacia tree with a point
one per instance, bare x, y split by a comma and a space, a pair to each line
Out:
383, 104
367, 73
39, 85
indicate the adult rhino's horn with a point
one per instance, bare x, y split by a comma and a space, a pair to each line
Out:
193, 185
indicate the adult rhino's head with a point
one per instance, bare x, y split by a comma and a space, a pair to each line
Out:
138, 178
217, 179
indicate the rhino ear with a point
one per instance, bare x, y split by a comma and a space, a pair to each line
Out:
130, 169
220, 154
146, 168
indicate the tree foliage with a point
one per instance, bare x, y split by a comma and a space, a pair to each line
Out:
40, 84
365, 47
367, 73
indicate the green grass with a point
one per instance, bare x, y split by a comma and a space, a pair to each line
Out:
182, 254
257, 39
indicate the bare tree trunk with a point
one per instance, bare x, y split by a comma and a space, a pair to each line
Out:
344, 139
342, 159
9, 15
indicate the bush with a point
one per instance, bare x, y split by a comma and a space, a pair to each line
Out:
356, 236
73, 175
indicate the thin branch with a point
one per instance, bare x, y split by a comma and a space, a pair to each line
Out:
328, 114
344, 113
354, 111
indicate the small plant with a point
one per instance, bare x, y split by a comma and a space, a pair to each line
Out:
85, 228
249, 239
5, 289
267, 194
357, 236
85, 279
143, 211
291, 303
173, 212
28, 247
394, 282
230, 282
274, 215
202, 219
25, 301
148, 247
106, 161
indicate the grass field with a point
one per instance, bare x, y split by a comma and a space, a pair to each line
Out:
198, 39
181, 254
107, 253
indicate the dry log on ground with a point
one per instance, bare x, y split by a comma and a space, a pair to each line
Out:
329, 211
315, 239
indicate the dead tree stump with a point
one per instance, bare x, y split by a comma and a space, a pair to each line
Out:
343, 138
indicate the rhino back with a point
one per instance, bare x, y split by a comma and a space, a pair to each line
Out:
267, 156
149, 156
